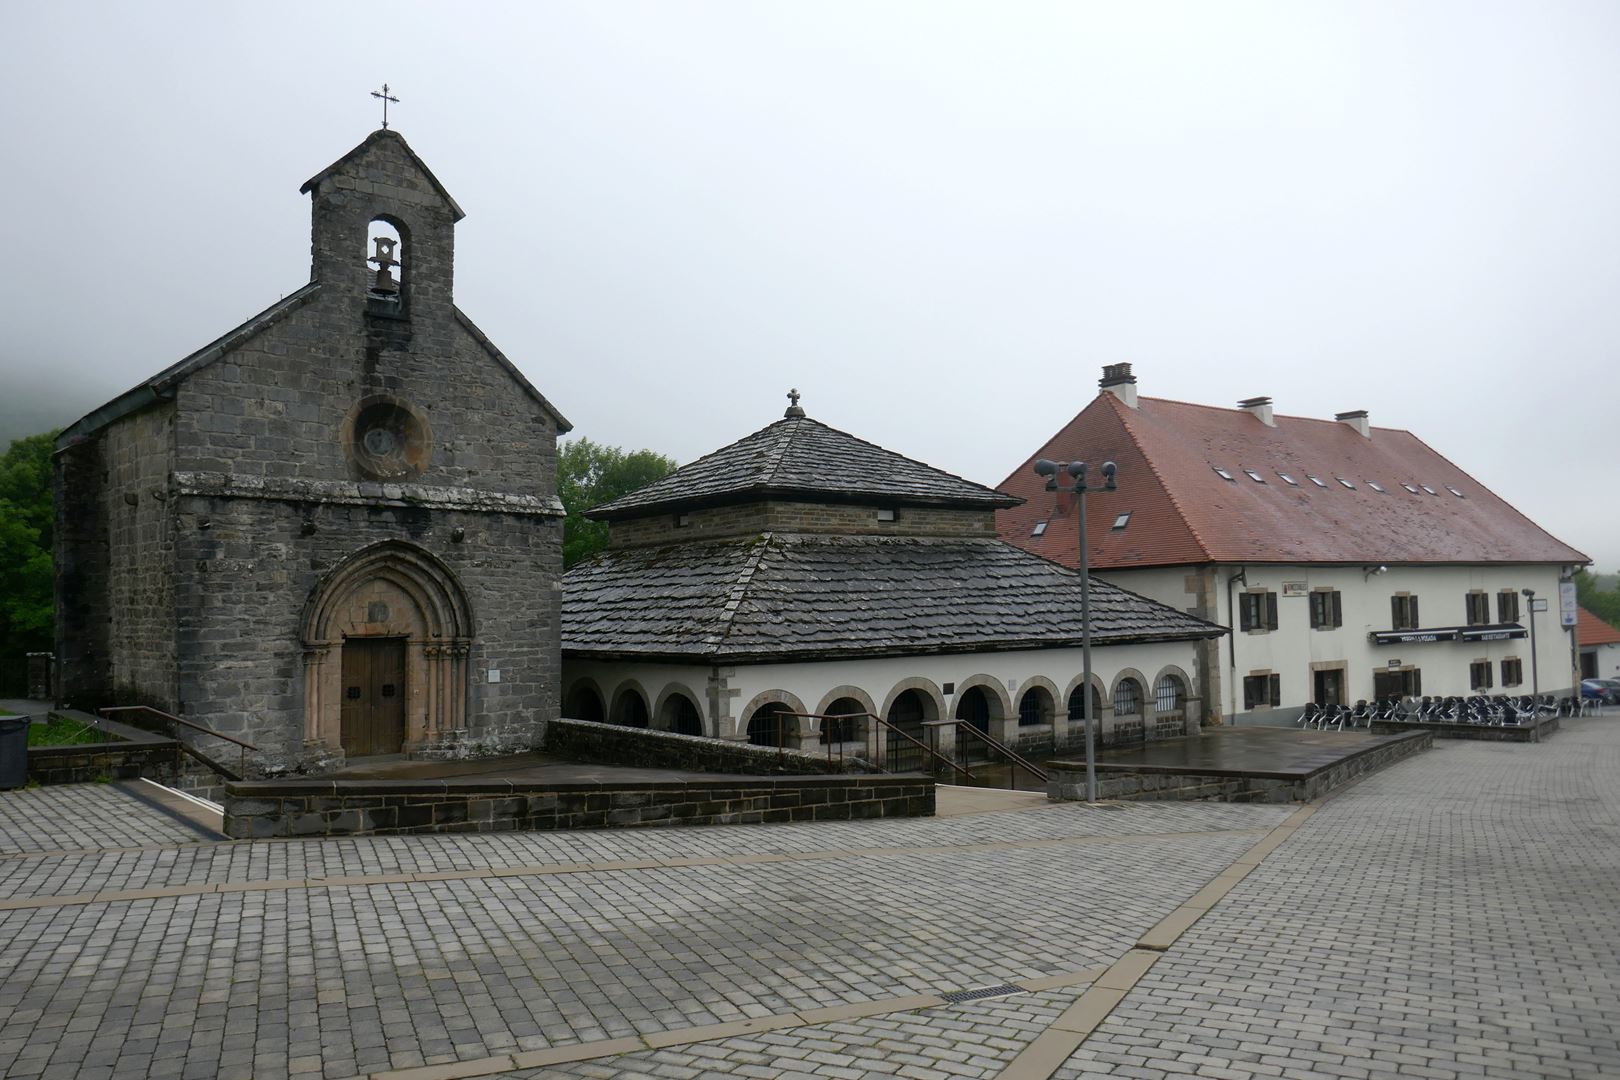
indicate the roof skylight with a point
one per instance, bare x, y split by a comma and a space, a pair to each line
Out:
1345, 482
1376, 486
1123, 520
1454, 491
1289, 480
1222, 473
1317, 480
1040, 528
1429, 489
1409, 487
1256, 477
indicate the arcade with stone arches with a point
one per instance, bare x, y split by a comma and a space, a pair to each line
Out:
1040, 713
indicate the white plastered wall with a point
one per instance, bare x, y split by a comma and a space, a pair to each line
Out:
1294, 647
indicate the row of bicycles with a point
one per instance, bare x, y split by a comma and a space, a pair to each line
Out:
1500, 710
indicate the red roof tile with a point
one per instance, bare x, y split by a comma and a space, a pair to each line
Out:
1183, 512
1591, 630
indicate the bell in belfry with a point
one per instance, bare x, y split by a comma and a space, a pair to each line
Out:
386, 262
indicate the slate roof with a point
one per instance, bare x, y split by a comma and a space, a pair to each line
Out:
798, 457
1591, 630
1183, 512
801, 597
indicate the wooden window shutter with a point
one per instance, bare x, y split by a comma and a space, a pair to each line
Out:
1275, 690
1395, 620
1338, 609
1248, 693
1412, 611
1271, 611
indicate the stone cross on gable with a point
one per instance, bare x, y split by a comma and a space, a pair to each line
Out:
793, 406
386, 98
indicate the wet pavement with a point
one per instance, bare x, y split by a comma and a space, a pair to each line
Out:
1280, 753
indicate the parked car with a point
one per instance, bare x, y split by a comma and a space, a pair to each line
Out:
1606, 691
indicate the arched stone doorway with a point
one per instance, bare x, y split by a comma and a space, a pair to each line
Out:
386, 641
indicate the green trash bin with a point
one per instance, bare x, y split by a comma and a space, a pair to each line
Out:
13, 752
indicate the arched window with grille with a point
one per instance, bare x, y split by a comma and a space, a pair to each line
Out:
1077, 704
1169, 693
1035, 707
1128, 697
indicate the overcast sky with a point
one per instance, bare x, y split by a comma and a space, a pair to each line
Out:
937, 220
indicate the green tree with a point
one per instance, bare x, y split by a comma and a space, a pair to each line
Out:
1604, 603
590, 474
26, 527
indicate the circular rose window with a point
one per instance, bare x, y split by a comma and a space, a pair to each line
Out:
389, 441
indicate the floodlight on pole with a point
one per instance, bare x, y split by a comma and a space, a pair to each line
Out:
1077, 471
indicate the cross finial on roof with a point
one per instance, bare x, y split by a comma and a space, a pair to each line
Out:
793, 408
386, 98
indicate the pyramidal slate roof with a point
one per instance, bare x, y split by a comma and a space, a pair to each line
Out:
792, 596
798, 457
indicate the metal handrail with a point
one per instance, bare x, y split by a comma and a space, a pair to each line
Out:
1012, 756
918, 743
177, 720
243, 745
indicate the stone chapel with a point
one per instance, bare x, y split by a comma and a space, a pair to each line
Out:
334, 531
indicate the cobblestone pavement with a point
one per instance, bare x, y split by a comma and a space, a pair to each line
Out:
1449, 917
282, 975
1454, 916
81, 816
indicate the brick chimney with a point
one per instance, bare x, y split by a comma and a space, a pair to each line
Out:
1259, 407
1118, 380
1357, 420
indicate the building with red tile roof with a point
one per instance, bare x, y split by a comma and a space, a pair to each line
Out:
1351, 561
1600, 647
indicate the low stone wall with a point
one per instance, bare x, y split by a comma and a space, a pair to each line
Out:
133, 753
1535, 732
268, 808
591, 743
1068, 783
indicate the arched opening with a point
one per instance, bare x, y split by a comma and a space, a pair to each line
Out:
680, 714
907, 714
630, 710
1035, 707
1169, 693
973, 705
773, 725
844, 723
1127, 697
385, 267
387, 636
585, 703
1077, 703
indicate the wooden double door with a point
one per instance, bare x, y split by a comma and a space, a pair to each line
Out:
373, 696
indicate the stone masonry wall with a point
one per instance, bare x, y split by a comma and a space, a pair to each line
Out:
84, 670
799, 517
140, 542
611, 744
370, 808
244, 581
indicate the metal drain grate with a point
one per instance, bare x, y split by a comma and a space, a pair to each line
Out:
983, 992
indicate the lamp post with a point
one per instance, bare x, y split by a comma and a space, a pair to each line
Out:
1535, 675
1077, 471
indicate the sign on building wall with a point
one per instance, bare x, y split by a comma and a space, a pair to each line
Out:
1566, 603
1296, 588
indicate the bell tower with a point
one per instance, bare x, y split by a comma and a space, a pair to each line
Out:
383, 231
